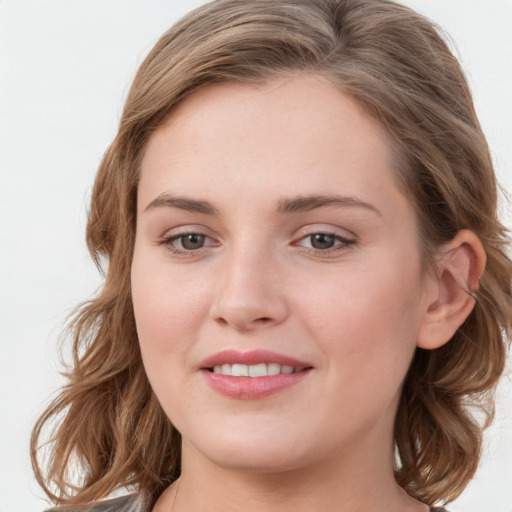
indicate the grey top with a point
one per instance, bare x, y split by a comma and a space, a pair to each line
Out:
133, 503
128, 503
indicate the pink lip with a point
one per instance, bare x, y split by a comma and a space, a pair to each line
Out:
251, 388
251, 357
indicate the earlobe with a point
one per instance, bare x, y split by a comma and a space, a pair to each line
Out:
449, 302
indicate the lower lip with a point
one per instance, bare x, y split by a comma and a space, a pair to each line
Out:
252, 388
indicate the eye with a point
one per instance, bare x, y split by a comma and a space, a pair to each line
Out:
324, 242
190, 242
187, 242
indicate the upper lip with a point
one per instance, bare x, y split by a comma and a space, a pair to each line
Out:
250, 358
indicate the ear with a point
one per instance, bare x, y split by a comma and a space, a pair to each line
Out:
449, 299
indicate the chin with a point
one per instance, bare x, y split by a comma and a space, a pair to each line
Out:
257, 461
253, 452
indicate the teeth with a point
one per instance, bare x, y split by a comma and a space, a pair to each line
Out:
273, 369
254, 370
240, 370
257, 370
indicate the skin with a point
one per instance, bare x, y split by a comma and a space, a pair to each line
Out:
355, 311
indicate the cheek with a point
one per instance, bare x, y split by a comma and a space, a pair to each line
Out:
167, 306
370, 318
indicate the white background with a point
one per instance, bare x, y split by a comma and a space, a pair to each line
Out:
65, 67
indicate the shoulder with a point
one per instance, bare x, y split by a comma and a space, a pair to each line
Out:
128, 503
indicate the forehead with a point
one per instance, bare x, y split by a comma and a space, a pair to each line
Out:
290, 134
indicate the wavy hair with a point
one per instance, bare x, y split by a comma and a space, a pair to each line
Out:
106, 424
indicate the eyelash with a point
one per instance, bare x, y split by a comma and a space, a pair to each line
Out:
169, 243
341, 243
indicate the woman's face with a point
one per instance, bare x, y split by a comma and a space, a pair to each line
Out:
272, 238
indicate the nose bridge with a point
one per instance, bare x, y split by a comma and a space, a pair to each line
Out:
249, 294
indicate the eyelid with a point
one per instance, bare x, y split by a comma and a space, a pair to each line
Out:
187, 229
345, 239
339, 238
183, 235
327, 229
171, 235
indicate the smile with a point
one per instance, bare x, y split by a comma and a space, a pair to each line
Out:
254, 370
252, 375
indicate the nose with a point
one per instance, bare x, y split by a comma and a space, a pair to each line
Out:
250, 294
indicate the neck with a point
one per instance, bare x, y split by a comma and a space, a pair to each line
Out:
356, 485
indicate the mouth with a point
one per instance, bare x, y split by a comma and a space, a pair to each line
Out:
252, 375
253, 363
255, 370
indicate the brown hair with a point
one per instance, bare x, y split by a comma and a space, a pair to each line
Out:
394, 62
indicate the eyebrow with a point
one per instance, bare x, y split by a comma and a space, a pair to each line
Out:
182, 203
308, 203
284, 206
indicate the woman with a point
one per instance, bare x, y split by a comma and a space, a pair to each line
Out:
307, 282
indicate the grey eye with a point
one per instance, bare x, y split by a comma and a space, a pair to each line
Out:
192, 241
322, 241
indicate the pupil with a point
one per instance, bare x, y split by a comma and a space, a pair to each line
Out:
322, 241
192, 241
